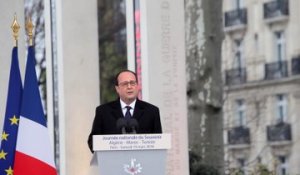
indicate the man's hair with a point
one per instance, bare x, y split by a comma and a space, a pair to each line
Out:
126, 70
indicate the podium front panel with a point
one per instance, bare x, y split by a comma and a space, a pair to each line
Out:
132, 162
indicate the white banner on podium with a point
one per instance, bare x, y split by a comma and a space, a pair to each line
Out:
131, 142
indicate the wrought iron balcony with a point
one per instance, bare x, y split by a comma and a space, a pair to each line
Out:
276, 9
239, 135
235, 76
296, 65
276, 70
279, 132
235, 18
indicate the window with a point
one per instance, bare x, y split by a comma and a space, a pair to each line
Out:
238, 54
240, 112
281, 108
279, 46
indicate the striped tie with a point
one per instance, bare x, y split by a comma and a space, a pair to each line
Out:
128, 114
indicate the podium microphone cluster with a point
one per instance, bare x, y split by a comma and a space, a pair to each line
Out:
127, 126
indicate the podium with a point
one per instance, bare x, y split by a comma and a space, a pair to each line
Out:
131, 154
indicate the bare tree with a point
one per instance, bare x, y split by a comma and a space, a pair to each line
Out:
204, 37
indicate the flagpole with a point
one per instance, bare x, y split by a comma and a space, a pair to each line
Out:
29, 29
15, 28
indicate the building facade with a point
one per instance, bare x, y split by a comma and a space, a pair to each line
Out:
261, 66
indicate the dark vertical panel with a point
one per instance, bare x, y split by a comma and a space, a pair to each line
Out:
112, 44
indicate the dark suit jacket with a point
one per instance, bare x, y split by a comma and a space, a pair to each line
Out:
107, 115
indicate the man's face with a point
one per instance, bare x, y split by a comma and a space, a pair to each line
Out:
127, 87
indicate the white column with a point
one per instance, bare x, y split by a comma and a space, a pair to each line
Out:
78, 81
163, 71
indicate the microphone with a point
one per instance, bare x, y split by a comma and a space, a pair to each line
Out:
121, 125
133, 124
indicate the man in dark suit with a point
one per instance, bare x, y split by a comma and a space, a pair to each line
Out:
126, 106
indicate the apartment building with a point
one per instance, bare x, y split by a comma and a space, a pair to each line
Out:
261, 68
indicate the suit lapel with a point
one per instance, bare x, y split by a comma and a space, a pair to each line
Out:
138, 109
117, 111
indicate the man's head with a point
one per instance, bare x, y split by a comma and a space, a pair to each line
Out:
126, 85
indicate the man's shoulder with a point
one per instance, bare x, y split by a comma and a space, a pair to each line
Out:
112, 104
146, 104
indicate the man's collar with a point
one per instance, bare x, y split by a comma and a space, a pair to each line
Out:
123, 104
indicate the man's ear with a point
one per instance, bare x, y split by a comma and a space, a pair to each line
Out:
116, 88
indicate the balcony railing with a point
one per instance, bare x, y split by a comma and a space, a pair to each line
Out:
276, 70
236, 17
239, 135
279, 132
276, 8
235, 76
296, 65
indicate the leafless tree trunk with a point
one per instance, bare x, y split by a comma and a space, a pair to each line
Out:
204, 35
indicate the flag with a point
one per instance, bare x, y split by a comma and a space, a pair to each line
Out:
11, 118
34, 155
